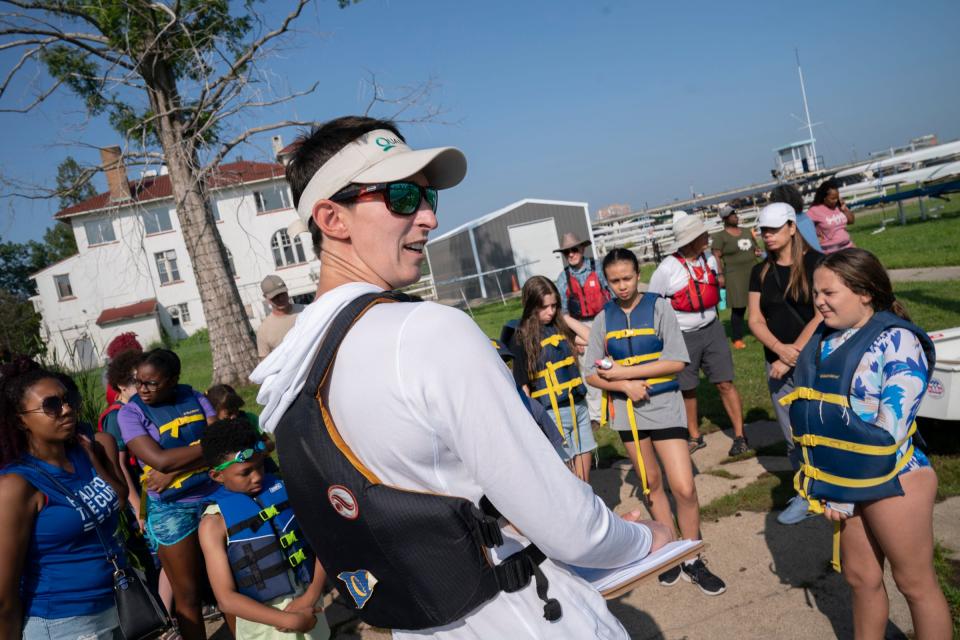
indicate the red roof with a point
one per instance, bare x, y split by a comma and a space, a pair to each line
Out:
130, 311
156, 187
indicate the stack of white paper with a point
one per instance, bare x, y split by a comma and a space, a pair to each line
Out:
604, 580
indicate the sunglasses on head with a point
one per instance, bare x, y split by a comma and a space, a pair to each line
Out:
402, 198
52, 406
244, 455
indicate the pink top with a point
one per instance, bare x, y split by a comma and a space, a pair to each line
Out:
831, 225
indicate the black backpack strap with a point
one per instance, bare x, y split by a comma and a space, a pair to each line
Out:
257, 521
515, 572
338, 329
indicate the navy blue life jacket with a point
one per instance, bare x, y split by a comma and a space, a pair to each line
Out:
558, 375
633, 340
408, 559
264, 543
181, 424
845, 459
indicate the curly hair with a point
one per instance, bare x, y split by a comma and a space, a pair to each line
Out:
222, 439
124, 342
120, 371
16, 377
223, 397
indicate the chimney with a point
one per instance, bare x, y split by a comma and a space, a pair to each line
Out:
277, 141
112, 162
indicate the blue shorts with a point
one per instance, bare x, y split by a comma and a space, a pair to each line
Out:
919, 461
580, 440
98, 626
170, 522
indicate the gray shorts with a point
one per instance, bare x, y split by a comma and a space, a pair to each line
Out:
709, 350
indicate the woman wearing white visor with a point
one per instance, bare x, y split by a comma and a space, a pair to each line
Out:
422, 409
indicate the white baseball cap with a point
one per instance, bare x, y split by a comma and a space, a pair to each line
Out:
774, 216
381, 156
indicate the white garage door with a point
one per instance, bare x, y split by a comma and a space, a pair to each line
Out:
535, 242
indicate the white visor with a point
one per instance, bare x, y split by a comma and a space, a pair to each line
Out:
380, 156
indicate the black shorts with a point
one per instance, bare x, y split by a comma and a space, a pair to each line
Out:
670, 433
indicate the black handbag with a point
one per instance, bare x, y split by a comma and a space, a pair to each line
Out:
141, 616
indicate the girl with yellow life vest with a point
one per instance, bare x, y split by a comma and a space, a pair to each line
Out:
858, 384
641, 397
546, 368
162, 426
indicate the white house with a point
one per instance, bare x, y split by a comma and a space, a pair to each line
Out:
132, 271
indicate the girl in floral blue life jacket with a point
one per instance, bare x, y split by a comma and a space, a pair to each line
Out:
639, 336
56, 582
259, 565
858, 384
546, 368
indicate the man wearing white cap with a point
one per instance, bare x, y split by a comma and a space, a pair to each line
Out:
283, 313
419, 403
689, 279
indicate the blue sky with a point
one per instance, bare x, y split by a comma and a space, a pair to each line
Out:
602, 102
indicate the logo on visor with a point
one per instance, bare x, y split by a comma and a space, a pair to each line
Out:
387, 143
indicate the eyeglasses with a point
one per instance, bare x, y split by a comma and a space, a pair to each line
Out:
52, 406
244, 455
150, 384
402, 198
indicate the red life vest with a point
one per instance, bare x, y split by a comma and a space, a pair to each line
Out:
583, 303
702, 291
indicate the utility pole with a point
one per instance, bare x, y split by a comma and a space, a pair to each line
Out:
806, 111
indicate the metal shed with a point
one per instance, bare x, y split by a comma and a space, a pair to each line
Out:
481, 258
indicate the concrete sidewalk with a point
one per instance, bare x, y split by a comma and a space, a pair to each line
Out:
924, 274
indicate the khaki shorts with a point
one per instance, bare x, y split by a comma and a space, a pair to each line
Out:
709, 350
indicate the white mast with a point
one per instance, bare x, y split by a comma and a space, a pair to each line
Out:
806, 112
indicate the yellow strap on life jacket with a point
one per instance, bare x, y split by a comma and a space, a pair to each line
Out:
636, 443
174, 425
181, 478
553, 341
812, 440
629, 333
808, 393
553, 388
632, 360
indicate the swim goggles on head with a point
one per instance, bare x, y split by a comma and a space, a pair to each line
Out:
244, 455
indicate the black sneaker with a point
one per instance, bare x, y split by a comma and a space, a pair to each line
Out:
669, 577
697, 573
739, 446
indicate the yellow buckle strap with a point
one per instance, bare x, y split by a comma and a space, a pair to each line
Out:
297, 558
174, 425
812, 440
653, 381
852, 483
807, 393
629, 333
288, 539
636, 443
553, 341
269, 512
632, 360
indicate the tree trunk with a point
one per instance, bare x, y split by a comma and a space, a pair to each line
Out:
232, 342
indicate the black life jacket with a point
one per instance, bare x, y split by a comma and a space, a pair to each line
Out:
410, 560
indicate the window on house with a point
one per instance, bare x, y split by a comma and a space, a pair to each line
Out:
286, 253
249, 309
184, 309
99, 231
64, 290
167, 266
215, 210
272, 199
230, 264
156, 221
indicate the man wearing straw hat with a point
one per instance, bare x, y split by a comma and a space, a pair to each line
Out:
689, 279
583, 292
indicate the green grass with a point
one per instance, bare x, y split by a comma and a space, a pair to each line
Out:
722, 473
916, 244
769, 491
948, 574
